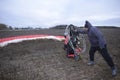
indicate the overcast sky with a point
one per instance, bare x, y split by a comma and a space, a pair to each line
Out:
47, 13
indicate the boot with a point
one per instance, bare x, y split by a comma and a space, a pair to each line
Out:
91, 63
114, 71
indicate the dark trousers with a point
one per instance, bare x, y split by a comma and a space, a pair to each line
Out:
103, 52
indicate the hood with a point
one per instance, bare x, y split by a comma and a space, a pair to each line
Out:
88, 24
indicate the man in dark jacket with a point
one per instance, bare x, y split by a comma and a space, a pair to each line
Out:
98, 43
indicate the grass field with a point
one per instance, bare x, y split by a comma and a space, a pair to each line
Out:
46, 59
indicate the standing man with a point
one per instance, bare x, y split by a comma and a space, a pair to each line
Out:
98, 43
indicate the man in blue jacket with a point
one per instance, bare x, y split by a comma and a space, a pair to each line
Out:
98, 43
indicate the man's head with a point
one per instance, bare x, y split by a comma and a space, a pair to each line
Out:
87, 25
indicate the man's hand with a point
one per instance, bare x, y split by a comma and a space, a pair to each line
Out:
76, 31
102, 47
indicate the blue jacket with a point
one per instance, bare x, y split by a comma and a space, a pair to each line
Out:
95, 36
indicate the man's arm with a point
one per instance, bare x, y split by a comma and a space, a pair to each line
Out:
82, 31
